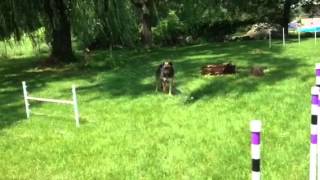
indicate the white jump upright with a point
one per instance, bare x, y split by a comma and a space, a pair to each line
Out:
283, 38
270, 43
299, 38
73, 102
255, 127
315, 37
25, 95
75, 105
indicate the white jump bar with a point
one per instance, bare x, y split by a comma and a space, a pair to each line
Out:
50, 100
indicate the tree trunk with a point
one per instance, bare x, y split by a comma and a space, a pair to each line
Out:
60, 28
146, 33
286, 15
144, 10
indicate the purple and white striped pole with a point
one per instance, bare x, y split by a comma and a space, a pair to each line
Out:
255, 127
318, 74
315, 112
314, 132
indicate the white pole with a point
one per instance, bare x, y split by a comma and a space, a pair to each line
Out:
255, 127
75, 106
270, 38
25, 96
299, 39
315, 37
283, 38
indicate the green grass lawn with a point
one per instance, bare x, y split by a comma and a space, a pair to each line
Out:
130, 132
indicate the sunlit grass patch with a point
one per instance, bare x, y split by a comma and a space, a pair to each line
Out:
128, 131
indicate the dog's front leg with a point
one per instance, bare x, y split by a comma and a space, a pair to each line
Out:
157, 85
170, 87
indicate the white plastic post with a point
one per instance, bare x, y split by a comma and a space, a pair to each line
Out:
255, 127
75, 106
25, 96
299, 39
283, 38
270, 38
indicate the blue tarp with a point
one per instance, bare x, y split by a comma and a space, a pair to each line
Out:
293, 25
309, 29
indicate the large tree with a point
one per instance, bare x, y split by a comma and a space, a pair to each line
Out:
23, 17
18, 18
287, 5
104, 23
58, 14
145, 12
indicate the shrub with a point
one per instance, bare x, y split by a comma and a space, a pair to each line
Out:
169, 31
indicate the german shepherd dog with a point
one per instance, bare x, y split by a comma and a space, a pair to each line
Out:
165, 77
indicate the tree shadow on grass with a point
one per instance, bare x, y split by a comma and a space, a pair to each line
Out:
137, 77
11, 111
12, 106
131, 73
243, 82
12, 73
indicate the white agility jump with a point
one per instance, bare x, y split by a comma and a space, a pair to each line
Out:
284, 37
71, 102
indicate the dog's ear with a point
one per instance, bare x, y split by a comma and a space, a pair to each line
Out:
160, 65
170, 63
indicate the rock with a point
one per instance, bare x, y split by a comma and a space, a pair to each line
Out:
241, 38
218, 69
189, 40
257, 71
260, 31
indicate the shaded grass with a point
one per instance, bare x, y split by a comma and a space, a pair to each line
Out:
130, 132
